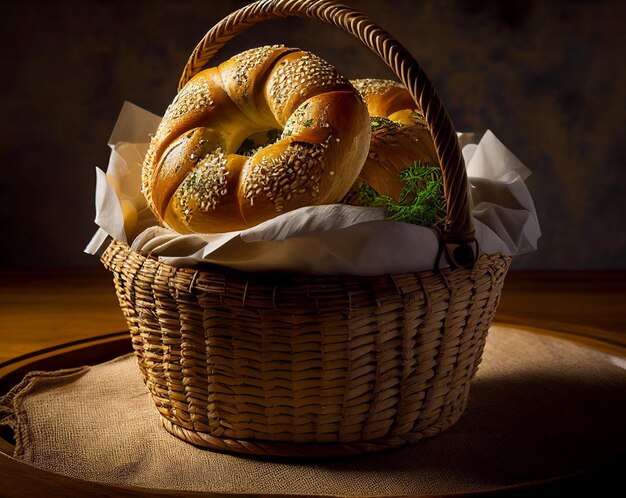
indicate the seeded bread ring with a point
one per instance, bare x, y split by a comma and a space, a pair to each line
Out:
400, 135
195, 181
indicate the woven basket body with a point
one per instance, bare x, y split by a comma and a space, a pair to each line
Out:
311, 366
337, 365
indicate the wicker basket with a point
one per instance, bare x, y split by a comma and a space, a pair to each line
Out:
296, 365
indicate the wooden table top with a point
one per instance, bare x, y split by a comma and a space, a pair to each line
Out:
47, 309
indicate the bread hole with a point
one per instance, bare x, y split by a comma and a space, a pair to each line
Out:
258, 140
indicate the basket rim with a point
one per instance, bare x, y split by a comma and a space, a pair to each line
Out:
275, 277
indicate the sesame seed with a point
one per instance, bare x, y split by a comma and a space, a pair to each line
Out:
279, 177
298, 74
204, 187
368, 86
248, 60
195, 95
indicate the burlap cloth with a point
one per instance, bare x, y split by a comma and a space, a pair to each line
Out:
540, 407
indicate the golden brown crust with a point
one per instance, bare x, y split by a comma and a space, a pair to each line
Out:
399, 135
244, 77
204, 189
194, 180
383, 97
297, 77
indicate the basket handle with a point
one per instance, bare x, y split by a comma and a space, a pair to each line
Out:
458, 235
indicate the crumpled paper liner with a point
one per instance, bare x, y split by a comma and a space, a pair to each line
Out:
324, 240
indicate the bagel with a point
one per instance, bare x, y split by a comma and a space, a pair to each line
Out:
196, 176
400, 137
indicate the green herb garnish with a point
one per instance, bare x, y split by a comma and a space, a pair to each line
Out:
363, 194
308, 122
416, 115
421, 201
247, 148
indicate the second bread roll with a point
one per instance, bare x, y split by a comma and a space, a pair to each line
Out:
400, 136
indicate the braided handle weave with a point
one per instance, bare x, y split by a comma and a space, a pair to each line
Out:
459, 228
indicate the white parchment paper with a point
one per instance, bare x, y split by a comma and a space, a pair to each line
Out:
324, 240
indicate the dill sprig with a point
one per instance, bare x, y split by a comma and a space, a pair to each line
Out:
363, 195
420, 202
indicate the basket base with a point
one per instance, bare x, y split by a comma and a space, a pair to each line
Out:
301, 450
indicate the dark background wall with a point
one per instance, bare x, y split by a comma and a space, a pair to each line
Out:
548, 77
